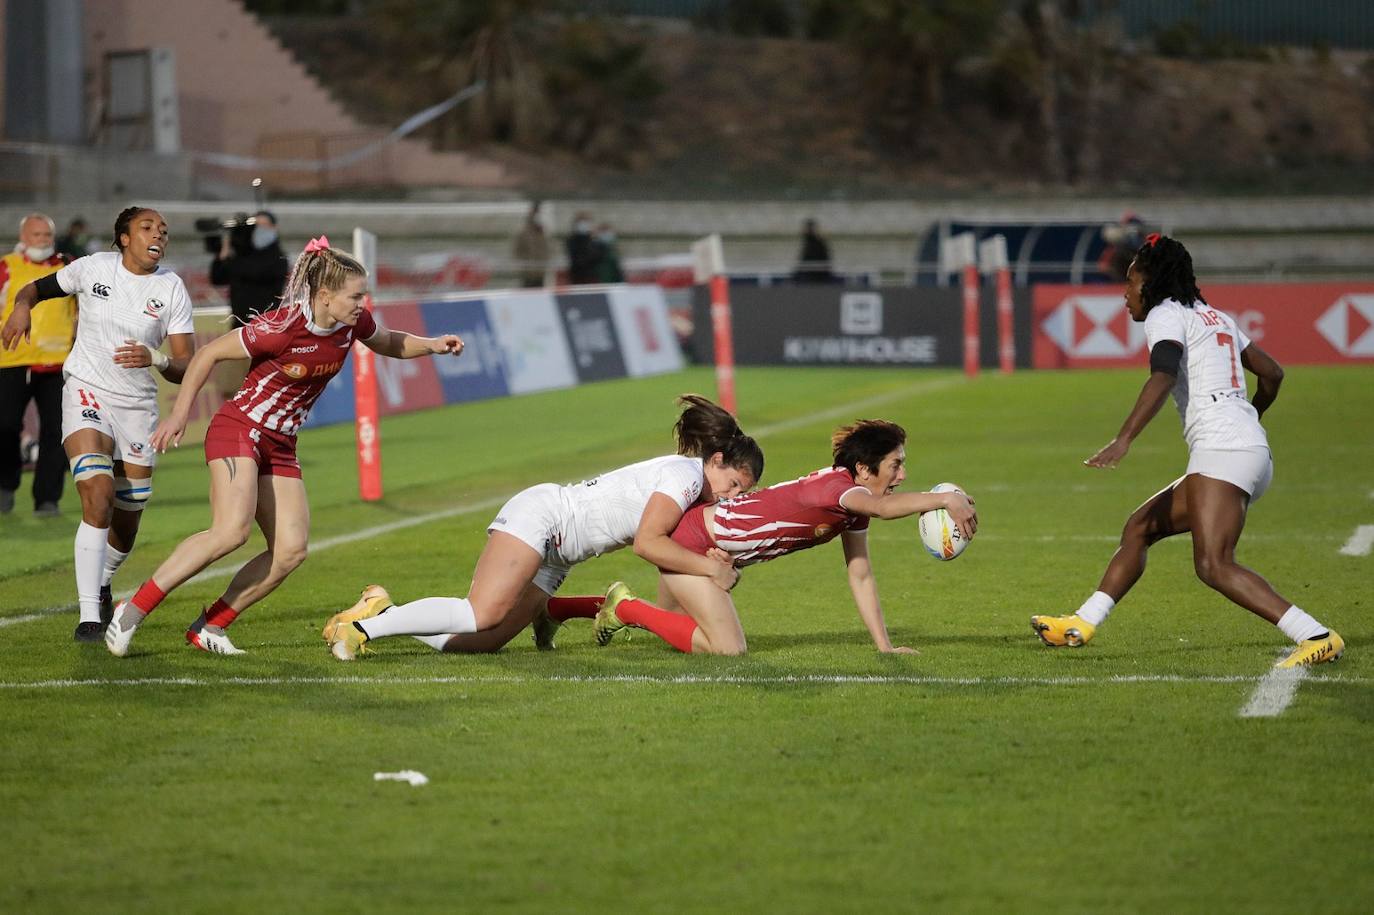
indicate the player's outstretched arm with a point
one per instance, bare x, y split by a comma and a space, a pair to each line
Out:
864, 587
1152, 397
904, 504
400, 345
170, 429
1268, 375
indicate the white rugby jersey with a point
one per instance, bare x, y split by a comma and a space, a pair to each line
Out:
602, 514
114, 305
1210, 391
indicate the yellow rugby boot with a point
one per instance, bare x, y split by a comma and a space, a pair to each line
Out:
373, 601
1063, 631
607, 624
349, 643
1321, 650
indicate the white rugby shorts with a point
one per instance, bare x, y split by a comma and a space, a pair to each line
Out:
534, 517
129, 421
1252, 469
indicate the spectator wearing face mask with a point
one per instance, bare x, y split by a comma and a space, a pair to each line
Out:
32, 370
583, 252
608, 257
251, 263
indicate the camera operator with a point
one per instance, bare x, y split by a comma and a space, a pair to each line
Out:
251, 263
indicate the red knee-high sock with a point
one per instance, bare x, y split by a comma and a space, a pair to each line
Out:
148, 597
562, 609
220, 614
674, 628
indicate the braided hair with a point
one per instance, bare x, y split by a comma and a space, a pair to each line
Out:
867, 442
705, 428
1168, 270
123, 221
321, 268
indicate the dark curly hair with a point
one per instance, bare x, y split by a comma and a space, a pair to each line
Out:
1168, 271
122, 221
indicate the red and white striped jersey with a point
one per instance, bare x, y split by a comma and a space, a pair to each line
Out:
293, 360
786, 517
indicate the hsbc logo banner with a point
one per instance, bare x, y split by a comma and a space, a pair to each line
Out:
1297, 323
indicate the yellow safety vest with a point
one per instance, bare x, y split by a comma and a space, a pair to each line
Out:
53, 321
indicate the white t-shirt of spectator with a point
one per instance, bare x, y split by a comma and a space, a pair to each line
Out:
602, 514
114, 305
1210, 391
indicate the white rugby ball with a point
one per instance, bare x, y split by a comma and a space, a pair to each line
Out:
939, 534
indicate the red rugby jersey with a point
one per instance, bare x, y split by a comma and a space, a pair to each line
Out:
293, 360
786, 517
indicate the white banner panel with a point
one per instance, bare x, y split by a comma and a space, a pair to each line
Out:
531, 335
646, 337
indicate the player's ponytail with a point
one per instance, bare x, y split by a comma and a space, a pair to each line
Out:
867, 442
1168, 270
705, 428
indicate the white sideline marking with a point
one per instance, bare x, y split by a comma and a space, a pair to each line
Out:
681, 680
1360, 542
1274, 693
368, 533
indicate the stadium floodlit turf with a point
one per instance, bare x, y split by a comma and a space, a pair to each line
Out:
987, 773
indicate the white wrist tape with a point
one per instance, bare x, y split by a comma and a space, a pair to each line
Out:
160, 360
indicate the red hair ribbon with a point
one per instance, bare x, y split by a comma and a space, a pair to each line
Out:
1149, 239
319, 244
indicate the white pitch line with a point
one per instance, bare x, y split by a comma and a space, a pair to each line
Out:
368, 533
1274, 693
1360, 542
680, 680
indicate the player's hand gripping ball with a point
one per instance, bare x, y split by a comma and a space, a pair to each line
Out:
939, 534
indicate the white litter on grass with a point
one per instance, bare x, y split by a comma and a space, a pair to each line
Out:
416, 779
1360, 542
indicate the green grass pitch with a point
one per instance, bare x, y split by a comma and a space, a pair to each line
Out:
987, 774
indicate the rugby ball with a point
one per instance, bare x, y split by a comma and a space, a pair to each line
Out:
939, 534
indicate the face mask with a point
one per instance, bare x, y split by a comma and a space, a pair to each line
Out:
607, 237
263, 236
581, 227
38, 255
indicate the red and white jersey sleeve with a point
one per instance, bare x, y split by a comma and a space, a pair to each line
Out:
786, 517
293, 360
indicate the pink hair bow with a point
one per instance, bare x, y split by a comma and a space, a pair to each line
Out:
316, 244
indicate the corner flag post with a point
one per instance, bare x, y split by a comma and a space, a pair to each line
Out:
365, 423
708, 261
992, 259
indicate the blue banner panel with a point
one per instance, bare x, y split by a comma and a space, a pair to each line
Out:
480, 372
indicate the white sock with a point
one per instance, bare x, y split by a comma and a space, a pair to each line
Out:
437, 642
90, 565
426, 616
1298, 626
113, 560
1096, 608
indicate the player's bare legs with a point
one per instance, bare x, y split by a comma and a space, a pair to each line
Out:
96, 492
1163, 515
283, 514
1218, 513
502, 589
496, 638
233, 502
718, 626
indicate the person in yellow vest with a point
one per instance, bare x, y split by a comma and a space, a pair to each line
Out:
32, 371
